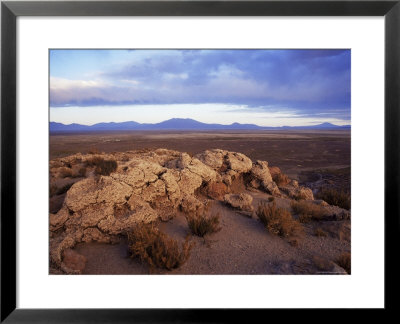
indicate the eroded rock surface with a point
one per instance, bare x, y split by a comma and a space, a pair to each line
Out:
150, 185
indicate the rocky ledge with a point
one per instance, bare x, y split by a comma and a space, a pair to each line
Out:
153, 185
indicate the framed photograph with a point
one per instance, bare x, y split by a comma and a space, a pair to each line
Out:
163, 159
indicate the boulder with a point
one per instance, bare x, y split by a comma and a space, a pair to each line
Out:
216, 190
278, 176
297, 192
240, 201
261, 178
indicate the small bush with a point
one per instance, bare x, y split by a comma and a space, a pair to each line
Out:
102, 167
156, 248
280, 179
335, 197
278, 221
270, 199
344, 260
319, 232
200, 224
308, 211
304, 218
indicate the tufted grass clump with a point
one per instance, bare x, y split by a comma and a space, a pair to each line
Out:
335, 197
102, 166
278, 221
156, 248
200, 224
308, 211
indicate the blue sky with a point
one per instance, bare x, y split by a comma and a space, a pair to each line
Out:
264, 87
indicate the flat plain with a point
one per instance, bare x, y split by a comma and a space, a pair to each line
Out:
292, 151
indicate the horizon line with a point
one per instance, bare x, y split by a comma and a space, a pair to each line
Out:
176, 118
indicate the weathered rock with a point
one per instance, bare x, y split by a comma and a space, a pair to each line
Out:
238, 162
321, 202
240, 201
228, 164
298, 192
153, 184
213, 158
191, 205
93, 234
261, 178
216, 190
278, 176
58, 220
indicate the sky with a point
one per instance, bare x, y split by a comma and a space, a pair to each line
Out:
262, 87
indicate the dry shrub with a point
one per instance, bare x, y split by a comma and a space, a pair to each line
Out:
344, 260
65, 172
278, 221
201, 224
304, 218
335, 197
308, 211
280, 179
156, 248
270, 199
102, 167
319, 232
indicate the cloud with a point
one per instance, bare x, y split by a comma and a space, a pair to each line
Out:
306, 81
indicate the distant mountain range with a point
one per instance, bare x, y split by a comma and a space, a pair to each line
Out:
177, 124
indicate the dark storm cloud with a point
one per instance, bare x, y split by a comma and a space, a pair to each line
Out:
308, 82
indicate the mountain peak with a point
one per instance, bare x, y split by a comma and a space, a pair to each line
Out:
176, 124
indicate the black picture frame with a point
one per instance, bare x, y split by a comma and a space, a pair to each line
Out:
10, 10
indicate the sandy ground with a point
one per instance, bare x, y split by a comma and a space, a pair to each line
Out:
242, 246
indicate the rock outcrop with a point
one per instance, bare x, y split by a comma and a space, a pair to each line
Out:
261, 178
150, 185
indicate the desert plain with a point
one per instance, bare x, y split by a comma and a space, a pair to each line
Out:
244, 180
